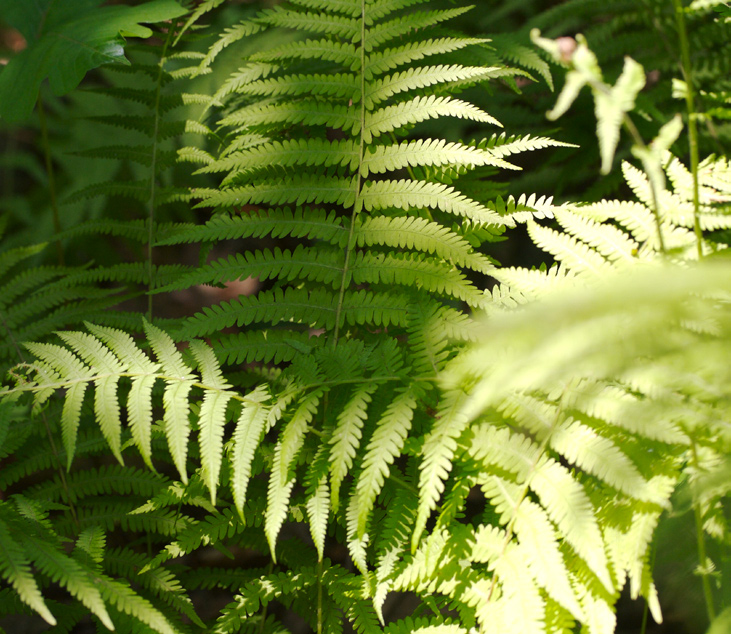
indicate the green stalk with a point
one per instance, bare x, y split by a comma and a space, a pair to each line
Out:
51, 177
319, 596
153, 174
701, 545
687, 71
358, 203
629, 125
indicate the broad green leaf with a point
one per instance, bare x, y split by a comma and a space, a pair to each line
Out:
66, 39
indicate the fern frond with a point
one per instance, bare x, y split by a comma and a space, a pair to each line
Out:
321, 265
301, 190
422, 235
404, 269
307, 152
423, 77
340, 26
503, 145
247, 435
384, 32
285, 453
346, 437
271, 346
437, 451
384, 446
304, 111
421, 153
390, 118
420, 194
318, 499
577, 255
123, 598
316, 309
15, 570
380, 62
323, 49
315, 224
65, 570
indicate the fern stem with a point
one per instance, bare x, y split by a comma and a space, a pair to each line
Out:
265, 609
629, 125
358, 202
153, 173
703, 561
319, 596
687, 71
51, 177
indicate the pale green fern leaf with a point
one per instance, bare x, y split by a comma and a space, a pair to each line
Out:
211, 418
437, 451
423, 77
381, 33
175, 397
563, 497
427, 152
318, 499
579, 257
405, 269
503, 145
570, 508
516, 605
306, 112
64, 365
322, 49
420, 194
282, 478
383, 448
389, 118
380, 62
312, 223
322, 22
106, 406
15, 569
537, 544
247, 435
346, 436
522, 285
287, 153
612, 107
595, 454
612, 243
412, 232
139, 410
300, 190
65, 570
338, 85
636, 218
